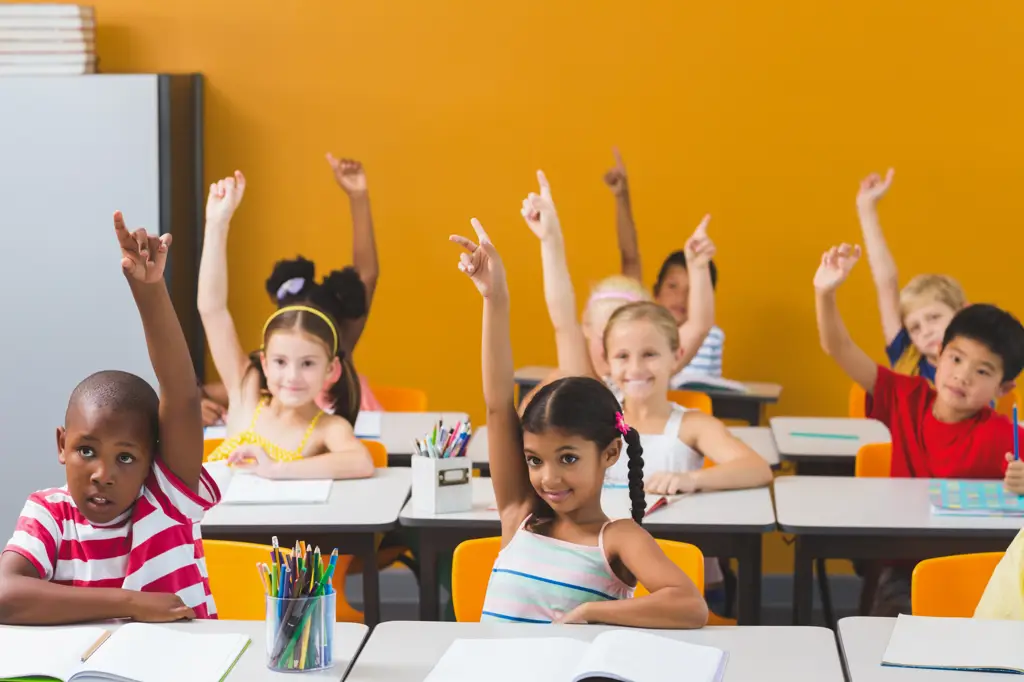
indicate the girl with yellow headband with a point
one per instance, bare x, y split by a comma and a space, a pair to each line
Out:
275, 426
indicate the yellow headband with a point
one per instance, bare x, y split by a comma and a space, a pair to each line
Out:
304, 309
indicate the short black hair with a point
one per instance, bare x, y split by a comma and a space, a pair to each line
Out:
998, 330
122, 392
679, 258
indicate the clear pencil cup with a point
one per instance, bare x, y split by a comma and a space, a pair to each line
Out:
300, 633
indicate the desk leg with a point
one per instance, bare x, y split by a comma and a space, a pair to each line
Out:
371, 581
803, 585
750, 581
429, 608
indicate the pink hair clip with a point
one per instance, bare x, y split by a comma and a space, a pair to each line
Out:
620, 423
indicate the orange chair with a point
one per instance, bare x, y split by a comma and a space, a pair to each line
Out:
951, 586
874, 460
474, 559
857, 396
398, 399
692, 400
209, 445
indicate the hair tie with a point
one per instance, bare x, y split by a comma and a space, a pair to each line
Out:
627, 296
292, 286
304, 309
620, 423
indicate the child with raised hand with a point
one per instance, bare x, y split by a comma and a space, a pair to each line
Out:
351, 178
275, 427
914, 319
121, 539
949, 431
693, 307
562, 559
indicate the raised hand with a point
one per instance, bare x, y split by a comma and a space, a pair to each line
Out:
836, 264
225, 195
143, 256
482, 262
539, 210
159, 607
616, 177
349, 175
873, 188
699, 248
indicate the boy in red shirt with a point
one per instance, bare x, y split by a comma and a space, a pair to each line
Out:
949, 431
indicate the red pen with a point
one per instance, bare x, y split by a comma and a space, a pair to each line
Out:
662, 501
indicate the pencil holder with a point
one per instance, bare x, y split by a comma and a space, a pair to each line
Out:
300, 633
442, 485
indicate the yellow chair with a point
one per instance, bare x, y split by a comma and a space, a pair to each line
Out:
474, 560
692, 400
398, 399
1006, 404
951, 586
209, 445
874, 460
856, 406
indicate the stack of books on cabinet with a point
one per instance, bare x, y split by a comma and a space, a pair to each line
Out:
47, 39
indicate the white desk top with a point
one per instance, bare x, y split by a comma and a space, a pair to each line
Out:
845, 505
252, 666
863, 642
758, 438
398, 430
826, 438
728, 511
364, 505
761, 654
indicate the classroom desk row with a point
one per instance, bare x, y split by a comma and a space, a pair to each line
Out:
401, 651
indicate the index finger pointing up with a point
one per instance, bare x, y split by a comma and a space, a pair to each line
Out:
702, 228
618, 158
545, 188
481, 235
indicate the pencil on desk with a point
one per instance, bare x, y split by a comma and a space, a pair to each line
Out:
99, 642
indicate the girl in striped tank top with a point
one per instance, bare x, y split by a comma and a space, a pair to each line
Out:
562, 559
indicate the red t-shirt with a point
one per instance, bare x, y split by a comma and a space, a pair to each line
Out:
924, 447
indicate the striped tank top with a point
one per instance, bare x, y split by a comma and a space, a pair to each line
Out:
536, 578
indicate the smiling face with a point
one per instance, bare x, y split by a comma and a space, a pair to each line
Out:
968, 377
107, 455
926, 326
641, 358
566, 470
297, 366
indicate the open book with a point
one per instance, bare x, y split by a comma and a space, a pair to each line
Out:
623, 655
700, 382
973, 498
242, 487
956, 644
135, 652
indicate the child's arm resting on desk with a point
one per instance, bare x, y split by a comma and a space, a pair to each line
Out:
346, 458
836, 264
674, 601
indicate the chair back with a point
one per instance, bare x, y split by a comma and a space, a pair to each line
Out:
874, 460
856, 406
951, 586
401, 399
692, 400
209, 445
378, 452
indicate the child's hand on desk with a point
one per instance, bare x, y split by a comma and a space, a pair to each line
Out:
143, 255
577, 616
225, 196
349, 175
482, 262
699, 248
836, 264
668, 483
158, 607
616, 177
873, 188
1014, 479
252, 458
539, 210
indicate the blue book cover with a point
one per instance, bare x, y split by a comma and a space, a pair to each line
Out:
974, 498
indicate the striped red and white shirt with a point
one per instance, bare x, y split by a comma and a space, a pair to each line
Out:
154, 546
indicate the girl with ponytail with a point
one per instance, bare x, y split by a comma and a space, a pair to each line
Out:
275, 426
562, 559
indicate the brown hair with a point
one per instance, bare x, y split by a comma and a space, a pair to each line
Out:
651, 312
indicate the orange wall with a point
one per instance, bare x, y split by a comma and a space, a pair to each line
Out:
765, 115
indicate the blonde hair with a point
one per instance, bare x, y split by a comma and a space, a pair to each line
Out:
925, 289
647, 311
611, 293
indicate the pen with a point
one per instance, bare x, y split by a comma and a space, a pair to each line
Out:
1016, 435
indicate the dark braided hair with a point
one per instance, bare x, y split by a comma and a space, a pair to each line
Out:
586, 408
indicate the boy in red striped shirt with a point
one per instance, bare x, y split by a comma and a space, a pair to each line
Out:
126, 525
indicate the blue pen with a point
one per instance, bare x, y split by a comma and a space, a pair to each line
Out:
1016, 435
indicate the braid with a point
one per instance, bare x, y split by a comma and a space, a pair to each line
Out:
638, 505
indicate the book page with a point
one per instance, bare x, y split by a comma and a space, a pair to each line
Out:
631, 656
368, 425
697, 381
547, 659
140, 651
247, 488
950, 643
49, 652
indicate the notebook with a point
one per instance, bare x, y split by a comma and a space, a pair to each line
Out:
699, 382
956, 644
368, 425
135, 652
242, 487
622, 655
973, 498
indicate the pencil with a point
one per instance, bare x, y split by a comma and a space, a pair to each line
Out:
99, 642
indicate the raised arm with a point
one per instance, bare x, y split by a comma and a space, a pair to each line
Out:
625, 228
512, 489
351, 178
541, 217
836, 264
883, 265
143, 258
228, 357
701, 305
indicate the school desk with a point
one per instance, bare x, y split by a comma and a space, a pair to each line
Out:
758, 438
398, 430
746, 406
862, 643
723, 524
400, 651
842, 517
353, 514
825, 446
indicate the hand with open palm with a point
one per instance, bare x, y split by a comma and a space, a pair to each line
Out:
539, 210
482, 262
836, 264
872, 189
143, 255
